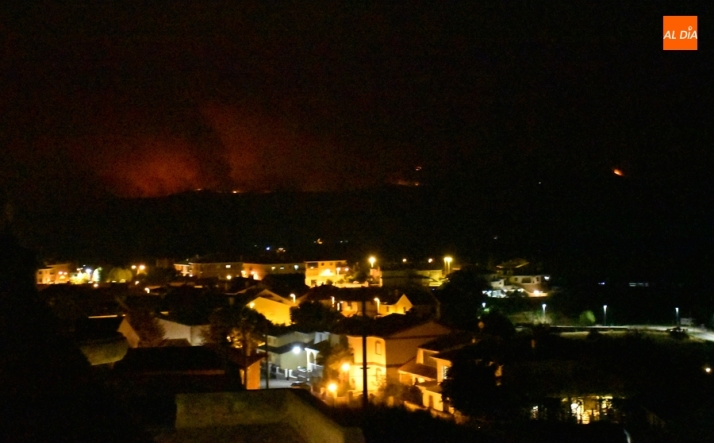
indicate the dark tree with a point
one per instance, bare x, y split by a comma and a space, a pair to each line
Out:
313, 316
461, 299
147, 326
472, 389
495, 324
241, 328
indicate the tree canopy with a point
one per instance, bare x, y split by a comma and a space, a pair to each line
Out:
313, 316
461, 299
239, 327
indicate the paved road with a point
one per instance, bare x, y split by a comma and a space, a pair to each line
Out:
693, 331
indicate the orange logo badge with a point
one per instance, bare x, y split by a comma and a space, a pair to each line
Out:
679, 33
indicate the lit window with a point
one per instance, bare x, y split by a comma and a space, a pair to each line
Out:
445, 372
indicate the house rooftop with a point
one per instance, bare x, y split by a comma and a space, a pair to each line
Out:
516, 263
385, 295
382, 326
412, 367
450, 341
267, 294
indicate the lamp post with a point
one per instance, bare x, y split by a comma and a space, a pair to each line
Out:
332, 387
544, 312
371, 261
604, 315
377, 300
676, 313
293, 297
447, 262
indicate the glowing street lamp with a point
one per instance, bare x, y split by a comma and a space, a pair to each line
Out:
544, 311
676, 313
332, 388
447, 262
371, 261
604, 315
377, 300
293, 297
345, 367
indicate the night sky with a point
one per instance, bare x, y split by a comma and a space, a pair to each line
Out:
107, 99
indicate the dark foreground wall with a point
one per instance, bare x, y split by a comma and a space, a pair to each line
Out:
275, 406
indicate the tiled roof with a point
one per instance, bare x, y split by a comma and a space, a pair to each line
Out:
412, 367
449, 341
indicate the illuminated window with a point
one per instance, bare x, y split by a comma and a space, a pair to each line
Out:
445, 372
378, 347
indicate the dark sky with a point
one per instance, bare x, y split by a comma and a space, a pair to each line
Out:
160, 97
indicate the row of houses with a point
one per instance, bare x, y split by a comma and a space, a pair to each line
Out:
508, 279
316, 273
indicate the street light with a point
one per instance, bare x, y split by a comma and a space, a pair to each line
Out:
447, 262
676, 312
332, 387
604, 315
377, 300
371, 261
293, 297
543, 312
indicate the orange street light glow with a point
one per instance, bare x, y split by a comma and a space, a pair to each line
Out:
618, 172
